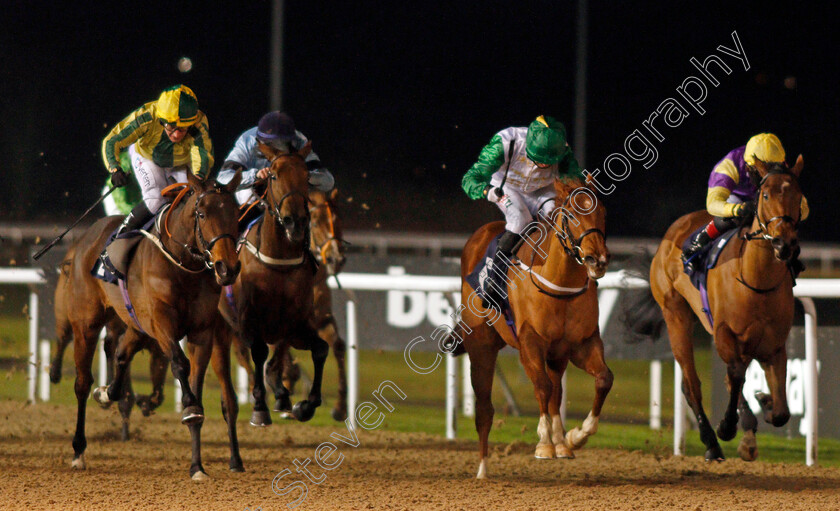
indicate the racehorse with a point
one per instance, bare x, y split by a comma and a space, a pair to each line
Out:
751, 303
172, 295
555, 316
272, 302
327, 245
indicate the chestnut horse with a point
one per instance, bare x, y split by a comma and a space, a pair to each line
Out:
555, 315
172, 296
751, 300
272, 302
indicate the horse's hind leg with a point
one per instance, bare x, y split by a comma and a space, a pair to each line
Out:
274, 375
64, 337
590, 358
483, 351
126, 404
775, 405
304, 410
84, 346
679, 320
747, 449
230, 405
556, 368
157, 371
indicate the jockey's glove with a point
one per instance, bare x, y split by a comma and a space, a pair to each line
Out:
119, 178
746, 210
493, 193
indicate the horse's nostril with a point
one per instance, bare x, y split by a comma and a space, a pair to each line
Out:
777, 243
590, 260
221, 268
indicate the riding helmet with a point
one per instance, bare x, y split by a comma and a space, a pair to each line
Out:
178, 106
546, 140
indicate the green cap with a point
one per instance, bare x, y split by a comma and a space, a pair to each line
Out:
546, 140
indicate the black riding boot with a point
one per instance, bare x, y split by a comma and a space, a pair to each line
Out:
496, 280
696, 246
796, 266
135, 219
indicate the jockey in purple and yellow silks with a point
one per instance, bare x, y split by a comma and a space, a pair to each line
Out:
732, 191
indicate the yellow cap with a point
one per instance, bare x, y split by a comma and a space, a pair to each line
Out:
178, 105
766, 147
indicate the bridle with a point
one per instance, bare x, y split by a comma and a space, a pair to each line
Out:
201, 252
321, 254
272, 205
762, 231
570, 244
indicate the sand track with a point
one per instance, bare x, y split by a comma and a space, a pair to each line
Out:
386, 471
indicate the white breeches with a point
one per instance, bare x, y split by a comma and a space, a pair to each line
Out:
520, 209
152, 179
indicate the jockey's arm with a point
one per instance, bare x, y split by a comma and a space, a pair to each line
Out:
489, 160
722, 181
241, 157
319, 177
229, 169
125, 133
201, 151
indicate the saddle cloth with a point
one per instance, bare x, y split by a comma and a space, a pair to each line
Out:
706, 259
479, 275
118, 253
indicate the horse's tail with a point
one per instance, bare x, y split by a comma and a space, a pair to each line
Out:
640, 313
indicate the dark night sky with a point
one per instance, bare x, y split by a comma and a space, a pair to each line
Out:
399, 100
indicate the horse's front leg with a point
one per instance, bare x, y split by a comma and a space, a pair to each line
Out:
275, 372
728, 427
533, 358
590, 358
556, 368
259, 352
193, 411
775, 405
201, 348
304, 410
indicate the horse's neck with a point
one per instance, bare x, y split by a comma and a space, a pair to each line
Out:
273, 240
558, 267
759, 265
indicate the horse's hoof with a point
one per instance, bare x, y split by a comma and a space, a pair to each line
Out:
576, 438
237, 468
287, 416
124, 434
100, 395
562, 451
280, 407
748, 449
145, 405
545, 452
726, 432
303, 410
260, 418
482, 470
192, 415
339, 415
55, 375
200, 476
715, 454
79, 463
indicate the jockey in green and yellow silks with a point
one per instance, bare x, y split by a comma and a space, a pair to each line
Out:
516, 171
165, 139
732, 191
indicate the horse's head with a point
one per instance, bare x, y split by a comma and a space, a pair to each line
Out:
579, 221
778, 206
215, 211
325, 241
288, 189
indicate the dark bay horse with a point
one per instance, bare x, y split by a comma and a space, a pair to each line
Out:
555, 306
272, 302
751, 299
173, 295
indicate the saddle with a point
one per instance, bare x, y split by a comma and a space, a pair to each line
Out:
707, 259
119, 250
481, 272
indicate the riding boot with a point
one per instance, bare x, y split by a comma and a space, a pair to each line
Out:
495, 285
688, 256
135, 219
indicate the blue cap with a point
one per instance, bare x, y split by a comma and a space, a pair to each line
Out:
276, 126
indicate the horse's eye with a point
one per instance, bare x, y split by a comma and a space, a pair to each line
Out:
201, 215
766, 197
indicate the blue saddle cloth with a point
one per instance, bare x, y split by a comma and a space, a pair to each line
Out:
705, 260
479, 275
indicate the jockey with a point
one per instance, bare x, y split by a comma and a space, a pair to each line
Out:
516, 171
165, 139
732, 191
276, 129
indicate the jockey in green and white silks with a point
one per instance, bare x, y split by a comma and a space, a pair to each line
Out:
516, 171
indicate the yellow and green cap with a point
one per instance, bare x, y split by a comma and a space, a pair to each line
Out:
178, 106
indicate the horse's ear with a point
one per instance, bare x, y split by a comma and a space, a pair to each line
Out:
334, 194
195, 182
760, 166
234, 183
305, 150
269, 152
797, 167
